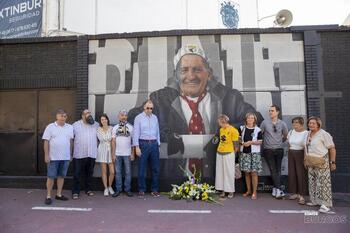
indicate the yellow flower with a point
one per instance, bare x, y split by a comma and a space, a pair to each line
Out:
204, 196
205, 186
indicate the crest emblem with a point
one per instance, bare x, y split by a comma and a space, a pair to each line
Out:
229, 14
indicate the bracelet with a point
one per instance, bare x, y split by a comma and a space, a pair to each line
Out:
332, 162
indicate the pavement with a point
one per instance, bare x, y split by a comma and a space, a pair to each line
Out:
24, 211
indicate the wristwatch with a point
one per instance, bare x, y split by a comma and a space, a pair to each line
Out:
332, 162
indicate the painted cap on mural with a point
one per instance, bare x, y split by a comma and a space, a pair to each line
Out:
188, 49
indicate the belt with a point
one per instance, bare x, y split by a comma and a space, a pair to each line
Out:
148, 140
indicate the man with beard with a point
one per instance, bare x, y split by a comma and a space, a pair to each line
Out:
85, 152
190, 105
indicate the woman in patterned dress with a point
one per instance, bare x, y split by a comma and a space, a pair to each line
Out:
250, 157
104, 156
319, 142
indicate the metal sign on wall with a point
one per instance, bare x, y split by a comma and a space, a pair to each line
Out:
20, 18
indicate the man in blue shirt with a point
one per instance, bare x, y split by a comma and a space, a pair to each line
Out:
147, 141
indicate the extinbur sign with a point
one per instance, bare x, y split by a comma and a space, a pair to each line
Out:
20, 18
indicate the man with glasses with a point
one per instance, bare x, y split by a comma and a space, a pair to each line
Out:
275, 133
58, 144
146, 139
85, 152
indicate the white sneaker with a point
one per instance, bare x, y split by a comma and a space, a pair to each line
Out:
274, 191
280, 194
324, 209
111, 191
311, 204
105, 193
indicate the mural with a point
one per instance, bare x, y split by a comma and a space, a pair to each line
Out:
230, 74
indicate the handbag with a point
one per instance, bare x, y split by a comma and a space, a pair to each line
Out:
313, 160
238, 173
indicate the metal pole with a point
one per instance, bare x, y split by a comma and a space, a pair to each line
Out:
257, 13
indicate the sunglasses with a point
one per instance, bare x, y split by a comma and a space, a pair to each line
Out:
274, 128
149, 108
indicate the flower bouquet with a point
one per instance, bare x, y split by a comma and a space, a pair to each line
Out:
193, 189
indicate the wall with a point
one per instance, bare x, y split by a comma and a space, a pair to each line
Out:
263, 69
305, 70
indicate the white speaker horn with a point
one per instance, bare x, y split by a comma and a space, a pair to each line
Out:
283, 18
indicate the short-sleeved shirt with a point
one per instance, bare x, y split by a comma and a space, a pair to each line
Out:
320, 143
297, 140
85, 140
248, 136
228, 135
59, 138
122, 133
273, 133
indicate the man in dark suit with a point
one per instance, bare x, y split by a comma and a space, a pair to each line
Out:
190, 105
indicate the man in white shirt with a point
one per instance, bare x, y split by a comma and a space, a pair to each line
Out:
123, 153
58, 143
85, 152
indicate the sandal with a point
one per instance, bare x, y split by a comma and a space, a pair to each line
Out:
254, 196
246, 194
301, 201
90, 193
222, 195
230, 195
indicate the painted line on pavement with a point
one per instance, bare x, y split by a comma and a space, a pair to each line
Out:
61, 208
180, 211
305, 212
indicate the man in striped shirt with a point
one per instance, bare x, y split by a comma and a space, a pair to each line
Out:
85, 152
58, 143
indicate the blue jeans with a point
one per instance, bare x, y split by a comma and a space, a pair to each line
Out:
120, 160
149, 152
57, 168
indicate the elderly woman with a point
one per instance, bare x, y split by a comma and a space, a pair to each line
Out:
250, 158
320, 146
225, 158
297, 174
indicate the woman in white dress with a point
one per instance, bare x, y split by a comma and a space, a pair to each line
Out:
104, 156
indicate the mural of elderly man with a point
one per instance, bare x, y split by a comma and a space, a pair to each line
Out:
190, 105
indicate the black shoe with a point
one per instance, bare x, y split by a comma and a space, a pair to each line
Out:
129, 194
48, 201
116, 194
61, 198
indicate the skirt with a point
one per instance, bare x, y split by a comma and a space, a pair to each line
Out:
250, 162
320, 187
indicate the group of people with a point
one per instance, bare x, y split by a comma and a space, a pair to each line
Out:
194, 102
304, 177
86, 142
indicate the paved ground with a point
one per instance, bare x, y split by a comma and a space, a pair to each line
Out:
124, 214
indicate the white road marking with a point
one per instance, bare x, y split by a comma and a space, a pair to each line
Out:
61, 208
180, 211
305, 212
